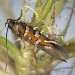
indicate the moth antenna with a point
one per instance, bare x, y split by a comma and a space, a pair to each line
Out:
19, 16
6, 24
7, 48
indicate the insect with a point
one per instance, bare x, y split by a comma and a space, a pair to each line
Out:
22, 30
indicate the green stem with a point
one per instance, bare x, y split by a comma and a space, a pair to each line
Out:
58, 8
68, 22
47, 8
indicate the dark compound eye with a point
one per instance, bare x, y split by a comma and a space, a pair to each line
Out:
10, 23
8, 20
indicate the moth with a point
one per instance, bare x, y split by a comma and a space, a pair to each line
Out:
34, 37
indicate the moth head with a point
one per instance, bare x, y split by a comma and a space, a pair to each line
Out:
10, 23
